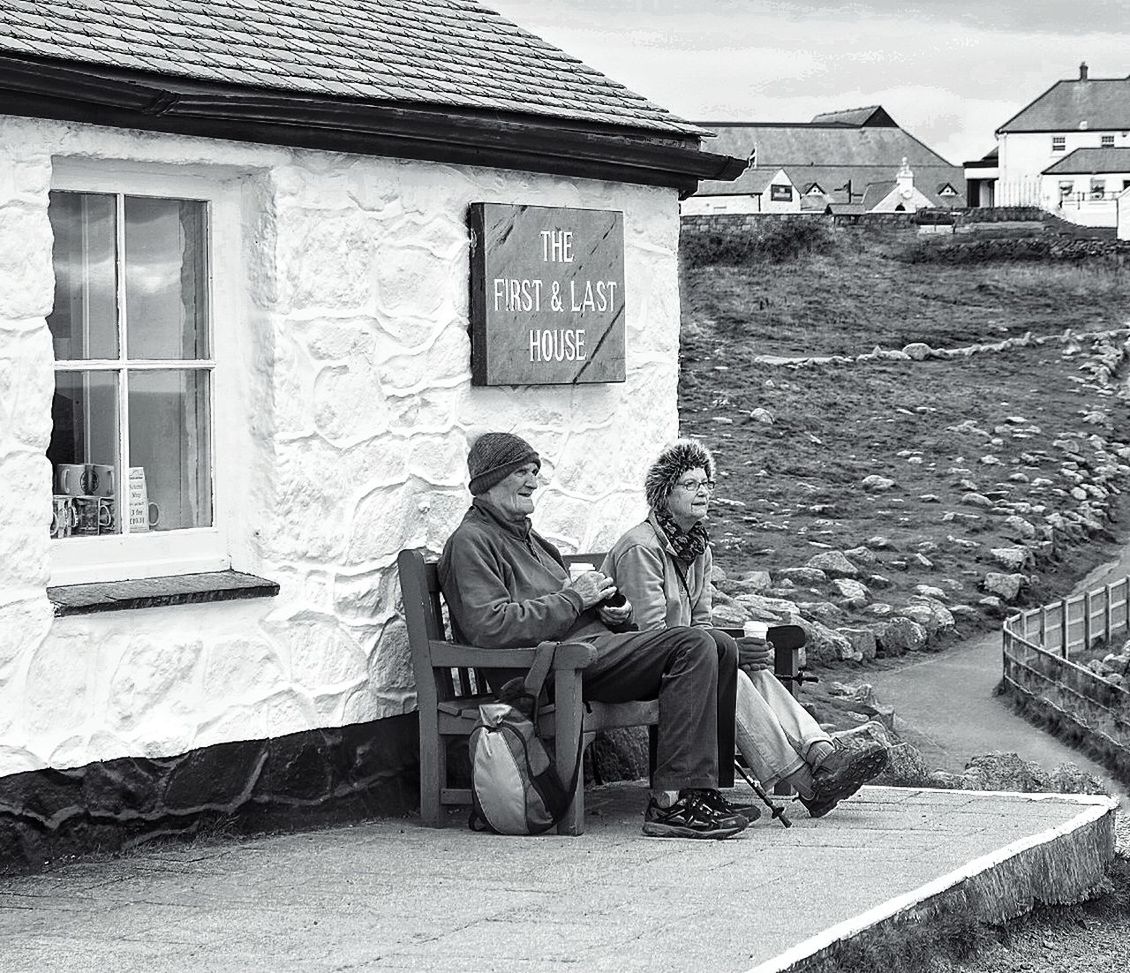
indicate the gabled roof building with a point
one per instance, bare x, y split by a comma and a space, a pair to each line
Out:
1065, 151
840, 159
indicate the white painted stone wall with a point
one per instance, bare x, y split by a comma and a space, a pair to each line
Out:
361, 411
1123, 231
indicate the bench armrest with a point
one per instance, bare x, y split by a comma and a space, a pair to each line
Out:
570, 655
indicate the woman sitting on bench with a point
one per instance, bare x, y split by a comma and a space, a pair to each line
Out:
663, 567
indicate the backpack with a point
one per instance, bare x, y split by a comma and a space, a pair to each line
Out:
515, 788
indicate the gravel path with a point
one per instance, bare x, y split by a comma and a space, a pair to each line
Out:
1091, 938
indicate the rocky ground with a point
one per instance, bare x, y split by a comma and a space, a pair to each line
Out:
895, 498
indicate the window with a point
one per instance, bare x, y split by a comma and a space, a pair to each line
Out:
1059, 143
1098, 188
132, 450
814, 190
1066, 188
1108, 141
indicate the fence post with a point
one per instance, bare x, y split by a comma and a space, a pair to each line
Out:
1064, 607
1086, 621
1108, 613
1043, 624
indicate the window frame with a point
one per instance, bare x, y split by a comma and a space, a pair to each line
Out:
118, 557
1106, 141
1059, 143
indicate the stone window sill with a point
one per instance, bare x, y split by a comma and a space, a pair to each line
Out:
177, 589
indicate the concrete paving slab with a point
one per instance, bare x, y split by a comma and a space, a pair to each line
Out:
392, 895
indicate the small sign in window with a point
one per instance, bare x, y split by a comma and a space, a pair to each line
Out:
781, 194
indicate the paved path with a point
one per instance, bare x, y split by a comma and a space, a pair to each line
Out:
392, 895
945, 704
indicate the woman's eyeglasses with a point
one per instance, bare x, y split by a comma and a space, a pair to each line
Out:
693, 486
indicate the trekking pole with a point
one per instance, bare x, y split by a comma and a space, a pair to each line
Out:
775, 809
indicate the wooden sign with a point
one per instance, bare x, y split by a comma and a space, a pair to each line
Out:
547, 295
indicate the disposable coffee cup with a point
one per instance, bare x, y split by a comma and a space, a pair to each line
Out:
755, 630
578, 568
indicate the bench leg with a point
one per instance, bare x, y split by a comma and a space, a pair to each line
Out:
432, 773
567, 730
786, 662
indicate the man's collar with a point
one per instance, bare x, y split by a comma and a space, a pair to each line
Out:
519, 526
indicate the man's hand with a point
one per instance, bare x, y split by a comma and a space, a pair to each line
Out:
593, 587
615, 616
755, 654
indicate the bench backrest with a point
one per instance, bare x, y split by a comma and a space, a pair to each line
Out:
423, 614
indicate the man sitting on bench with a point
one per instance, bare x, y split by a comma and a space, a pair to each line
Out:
507, 586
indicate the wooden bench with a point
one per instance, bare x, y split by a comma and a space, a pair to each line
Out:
450, 686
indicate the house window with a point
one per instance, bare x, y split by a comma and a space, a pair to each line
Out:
1066, 188
947, 190
1059, 143
1098, 188
814, 190
141, 271
1108, 141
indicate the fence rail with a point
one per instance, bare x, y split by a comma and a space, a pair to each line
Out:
1038, 646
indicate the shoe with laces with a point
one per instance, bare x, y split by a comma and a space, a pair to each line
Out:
845, 771
817, 809
693, 815
751, 812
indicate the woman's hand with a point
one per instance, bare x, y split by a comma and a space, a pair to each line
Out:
615, 616
593, 587
755, 654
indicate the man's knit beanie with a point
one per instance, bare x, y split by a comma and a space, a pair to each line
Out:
494, 456
681, 456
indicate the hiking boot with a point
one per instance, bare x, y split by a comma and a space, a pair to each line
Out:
845, 771
751, 812
817, 809
693, 815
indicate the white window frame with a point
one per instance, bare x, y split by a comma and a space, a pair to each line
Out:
120, 557
1059, 143
1106, 141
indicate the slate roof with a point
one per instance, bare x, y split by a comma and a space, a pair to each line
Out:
446, 53
829, 154
1086, 162
1103, 103
870, 116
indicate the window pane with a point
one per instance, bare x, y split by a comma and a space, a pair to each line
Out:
168, 441
166, 296
84, 322
84, 454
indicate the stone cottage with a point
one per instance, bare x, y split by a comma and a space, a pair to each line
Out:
240, 366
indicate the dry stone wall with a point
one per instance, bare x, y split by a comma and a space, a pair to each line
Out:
359, 414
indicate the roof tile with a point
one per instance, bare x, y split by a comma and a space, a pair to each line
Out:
451, 52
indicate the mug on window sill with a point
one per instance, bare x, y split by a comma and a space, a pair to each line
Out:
69, 478
98, 480
63, 516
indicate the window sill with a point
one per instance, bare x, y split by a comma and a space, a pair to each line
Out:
177, 589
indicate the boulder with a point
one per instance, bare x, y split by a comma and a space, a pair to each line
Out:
733, 615
931, 614
855, 594
1021, 527
876, 484
878, 581
861, 555
1067, 778
905, 767
1000, 771
931, 591
822, 645
834, 564
1007, 587
765, 608
975, 500
821, 611
862, 640
917, 350
1011, 558
899, 635
803, 576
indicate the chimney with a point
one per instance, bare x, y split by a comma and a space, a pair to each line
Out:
1083, 71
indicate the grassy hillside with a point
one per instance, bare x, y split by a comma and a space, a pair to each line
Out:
1017, 427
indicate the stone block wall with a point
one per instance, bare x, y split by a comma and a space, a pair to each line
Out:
358, 416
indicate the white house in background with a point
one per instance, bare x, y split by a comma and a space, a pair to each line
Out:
1080, 113
1124, 215
765, 192
1088, 183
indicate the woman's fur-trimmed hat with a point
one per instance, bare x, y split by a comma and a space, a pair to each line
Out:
673, 462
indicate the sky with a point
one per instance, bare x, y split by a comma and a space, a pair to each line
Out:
948, 71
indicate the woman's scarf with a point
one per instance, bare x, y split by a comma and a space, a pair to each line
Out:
687, 544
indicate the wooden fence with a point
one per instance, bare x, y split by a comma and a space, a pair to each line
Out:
1038, 668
